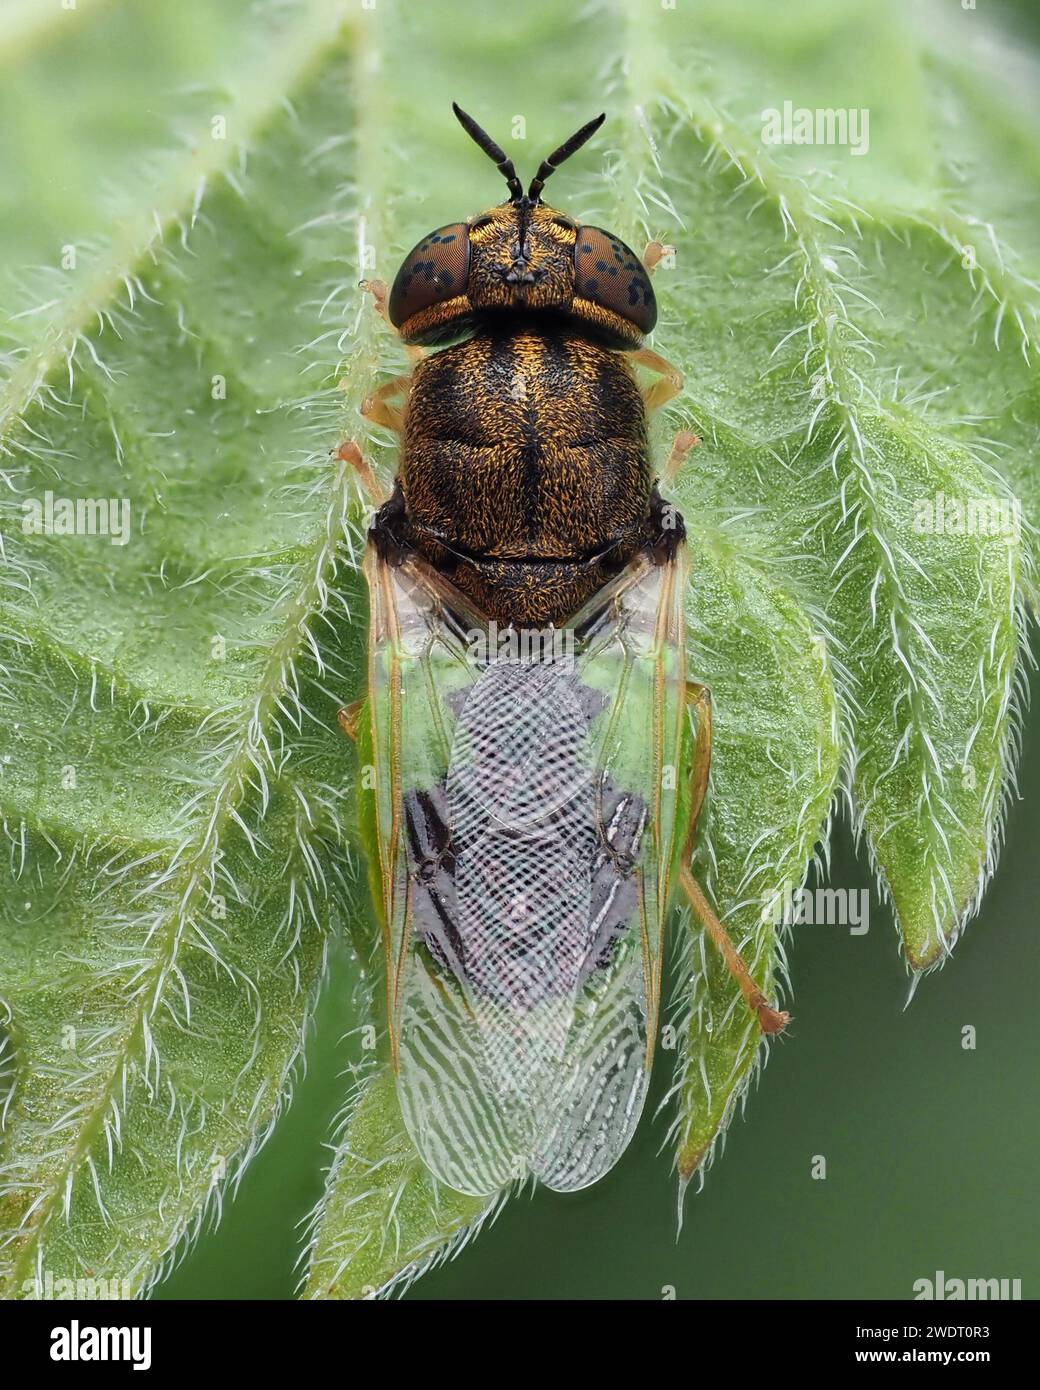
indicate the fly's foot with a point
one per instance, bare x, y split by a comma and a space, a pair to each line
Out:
350, 452
380, 293
682, 444
349, 717
655, 253
771, 1020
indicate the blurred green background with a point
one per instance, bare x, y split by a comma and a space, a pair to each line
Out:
931, 1149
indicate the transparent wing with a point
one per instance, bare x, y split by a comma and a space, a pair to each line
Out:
526, 810
632, 655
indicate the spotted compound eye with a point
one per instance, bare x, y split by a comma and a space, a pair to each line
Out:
435, 270
611, 274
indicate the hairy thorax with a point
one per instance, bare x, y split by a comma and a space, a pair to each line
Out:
525, 473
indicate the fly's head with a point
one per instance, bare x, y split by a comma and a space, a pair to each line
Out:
522, 257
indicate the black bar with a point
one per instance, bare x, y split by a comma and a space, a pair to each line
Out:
747, 1339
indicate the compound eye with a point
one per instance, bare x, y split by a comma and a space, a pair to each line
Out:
435, 270
611, 274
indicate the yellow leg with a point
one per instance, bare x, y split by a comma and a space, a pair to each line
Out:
655, 253
683, 443
350, 453
671, 382
349, 717
700, 697
377, 406
381, 296
770, 1020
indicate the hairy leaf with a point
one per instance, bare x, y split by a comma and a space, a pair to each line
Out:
190, 194
172, 792
851, 449
776, 759
384, 1219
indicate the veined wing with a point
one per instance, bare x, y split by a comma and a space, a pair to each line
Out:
633, 654
420, 667
527, 818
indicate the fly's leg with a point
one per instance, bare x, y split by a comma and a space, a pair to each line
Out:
683, 443
350, 452
655, 253
378, 409
770, 1020
700, 773
671, 378
349, 717
380, 292
381, 296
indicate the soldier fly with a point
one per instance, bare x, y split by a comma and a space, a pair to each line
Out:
534, 806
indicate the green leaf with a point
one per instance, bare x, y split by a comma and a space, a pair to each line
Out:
189, 196
776, 756
173, 788
840, 440
384, 1220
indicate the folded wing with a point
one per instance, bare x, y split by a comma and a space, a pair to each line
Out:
526, 810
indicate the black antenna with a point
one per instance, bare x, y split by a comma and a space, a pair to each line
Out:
565, 151
494, 152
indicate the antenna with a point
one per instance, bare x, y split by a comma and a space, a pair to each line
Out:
549, 166
494, 152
